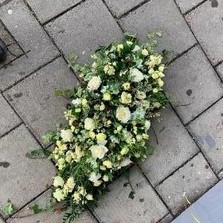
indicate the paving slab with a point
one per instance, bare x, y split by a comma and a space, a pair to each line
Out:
8, 118
46, 9
220, 70
210, 32
45, 217
192, 84
187, 5
187, 183
207, 209
207, 130
166, 219
119, 7
176, 34
82, 30
22, 178
34, 98
173, 146
31, 37
115, 206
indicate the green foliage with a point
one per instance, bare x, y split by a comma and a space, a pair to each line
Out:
8, 208
39, 154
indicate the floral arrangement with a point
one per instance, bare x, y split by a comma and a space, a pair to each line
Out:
107, 120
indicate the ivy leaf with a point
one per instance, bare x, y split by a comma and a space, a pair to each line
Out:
8, 208
132, 195
36, 209
38, 154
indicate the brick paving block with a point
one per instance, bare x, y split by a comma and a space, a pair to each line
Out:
220, 70
209, 31
45, 217
173, 146
32, 38
119, 7
188, 183
46, 9
192, 84
208, 132
164, 16
82, 29
187, 5
34, 98
116, 206
22, 178
8, 118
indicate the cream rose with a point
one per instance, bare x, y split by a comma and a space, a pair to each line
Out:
94, 83
126, 98
89, 124
98, 151
58, 181
123, 114
66, 135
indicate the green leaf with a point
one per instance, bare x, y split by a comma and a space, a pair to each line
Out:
36, 209
38, 154
48, 137
8, 208
149, 150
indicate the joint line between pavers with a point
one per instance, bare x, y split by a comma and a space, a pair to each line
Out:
196, 142
199, 43
221, 62
156, 192
163, 218
195, 7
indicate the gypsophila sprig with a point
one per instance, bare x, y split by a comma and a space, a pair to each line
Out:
108, 120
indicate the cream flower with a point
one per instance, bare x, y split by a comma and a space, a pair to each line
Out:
105, 178
91, 134
94, 177
147, 125
94, 83
70, 183
126, 98
123, 114
106, 96
110, 70
160, 82
79, 153
59, 194
101, 138
140, 95
145, 52
76, 101
66, 135
98, 151
108, 164
58, 181
136, 75
126, 86
97, 183
124, 151
89, 124
76, 196
89, 197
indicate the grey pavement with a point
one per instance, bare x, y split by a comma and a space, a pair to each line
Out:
188, 137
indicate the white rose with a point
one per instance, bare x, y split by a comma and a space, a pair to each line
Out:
125, 162
89, 197
76, 101
137, 75
66, 135
89, 124
98, 151
94, 177
123, 114
94, 83
58, 181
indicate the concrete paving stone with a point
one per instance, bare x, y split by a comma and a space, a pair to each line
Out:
5, 36
162, 15
45, 217
8, 118
22, 178
34, 98
31, 37
207, 130
192, 84
116, 206
119, 7
82, 30
187, 184
220, 70
166, 219
173, 146
210, 32
187, 5
46, 9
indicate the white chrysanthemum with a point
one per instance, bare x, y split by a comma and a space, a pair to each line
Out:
94, 177
94, 83
59, 194
66, 135
89, 124
58, 181
101, 138
145, 52
136, 75
98, 151
108, 164
123, 114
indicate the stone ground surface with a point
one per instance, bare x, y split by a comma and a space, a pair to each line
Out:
189, 140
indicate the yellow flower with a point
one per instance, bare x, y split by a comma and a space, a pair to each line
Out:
126, 86
102, 168
91, 134
58, 181
89, 124
58, 194
123, 114
89, 197
102, 107
70, 183
160, 82
155, 60
145, 52
155, 74
98, 151
126, 98
129, 43
109, 69
69, 156
94, 83
105, 178
106, 96
124, 151
84, 102
66, 135
108, 164
120, 47
101, 138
